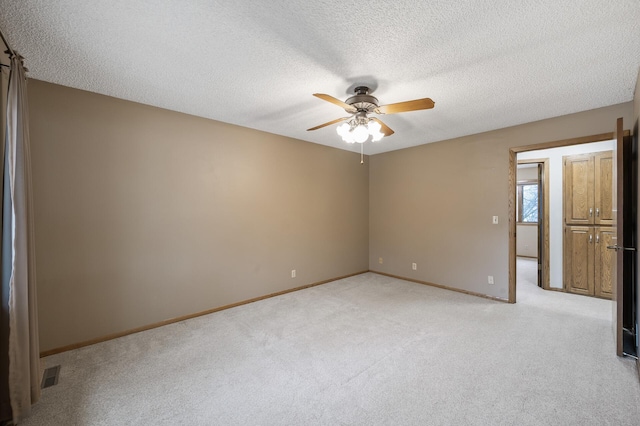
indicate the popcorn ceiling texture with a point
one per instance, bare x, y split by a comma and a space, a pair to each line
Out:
486, 64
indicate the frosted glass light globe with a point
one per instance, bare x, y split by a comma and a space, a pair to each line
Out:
374, 127
374, 131
377, 136
344, 131
360, 134
348, 137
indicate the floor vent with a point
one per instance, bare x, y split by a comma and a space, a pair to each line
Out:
50, 377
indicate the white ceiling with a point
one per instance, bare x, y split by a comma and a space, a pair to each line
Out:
486, 64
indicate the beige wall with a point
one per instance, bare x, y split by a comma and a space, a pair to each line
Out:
527, 240
144, 215
433, 204
527, 173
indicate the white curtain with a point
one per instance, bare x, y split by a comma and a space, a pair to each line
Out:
18, 257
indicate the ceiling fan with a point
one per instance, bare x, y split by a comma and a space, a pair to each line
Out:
360, 126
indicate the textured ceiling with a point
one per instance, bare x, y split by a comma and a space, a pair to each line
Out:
486, 64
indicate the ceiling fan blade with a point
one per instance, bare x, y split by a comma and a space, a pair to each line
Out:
329, 123
414, 105
384, 128
335, 101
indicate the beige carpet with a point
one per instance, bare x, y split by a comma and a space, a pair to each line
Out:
367, 350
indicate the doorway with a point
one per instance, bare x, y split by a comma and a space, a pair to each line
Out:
538, 154
532, 215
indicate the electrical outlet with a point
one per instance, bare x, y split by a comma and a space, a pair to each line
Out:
414, 266
293, 273
490, 279
380, 260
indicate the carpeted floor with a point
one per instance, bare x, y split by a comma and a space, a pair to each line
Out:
366, 350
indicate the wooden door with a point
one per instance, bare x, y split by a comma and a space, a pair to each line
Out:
579, 268
617, 272
578, 189
603, 186
541, 225
604, 262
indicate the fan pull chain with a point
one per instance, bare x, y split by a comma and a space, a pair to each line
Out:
361, 153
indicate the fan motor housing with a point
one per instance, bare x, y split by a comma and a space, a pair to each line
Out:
362, 101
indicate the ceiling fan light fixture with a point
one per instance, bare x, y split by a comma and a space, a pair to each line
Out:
352, 132
344, 130
360, 133
360, 126
374, 131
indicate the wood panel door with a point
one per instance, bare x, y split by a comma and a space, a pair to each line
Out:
625, 209
603, 188
578, 189
618, 247
604, 262
578, 259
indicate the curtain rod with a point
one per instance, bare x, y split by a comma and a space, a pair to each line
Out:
6, 43
9, 50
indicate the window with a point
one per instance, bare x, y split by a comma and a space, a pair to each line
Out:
527, 202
